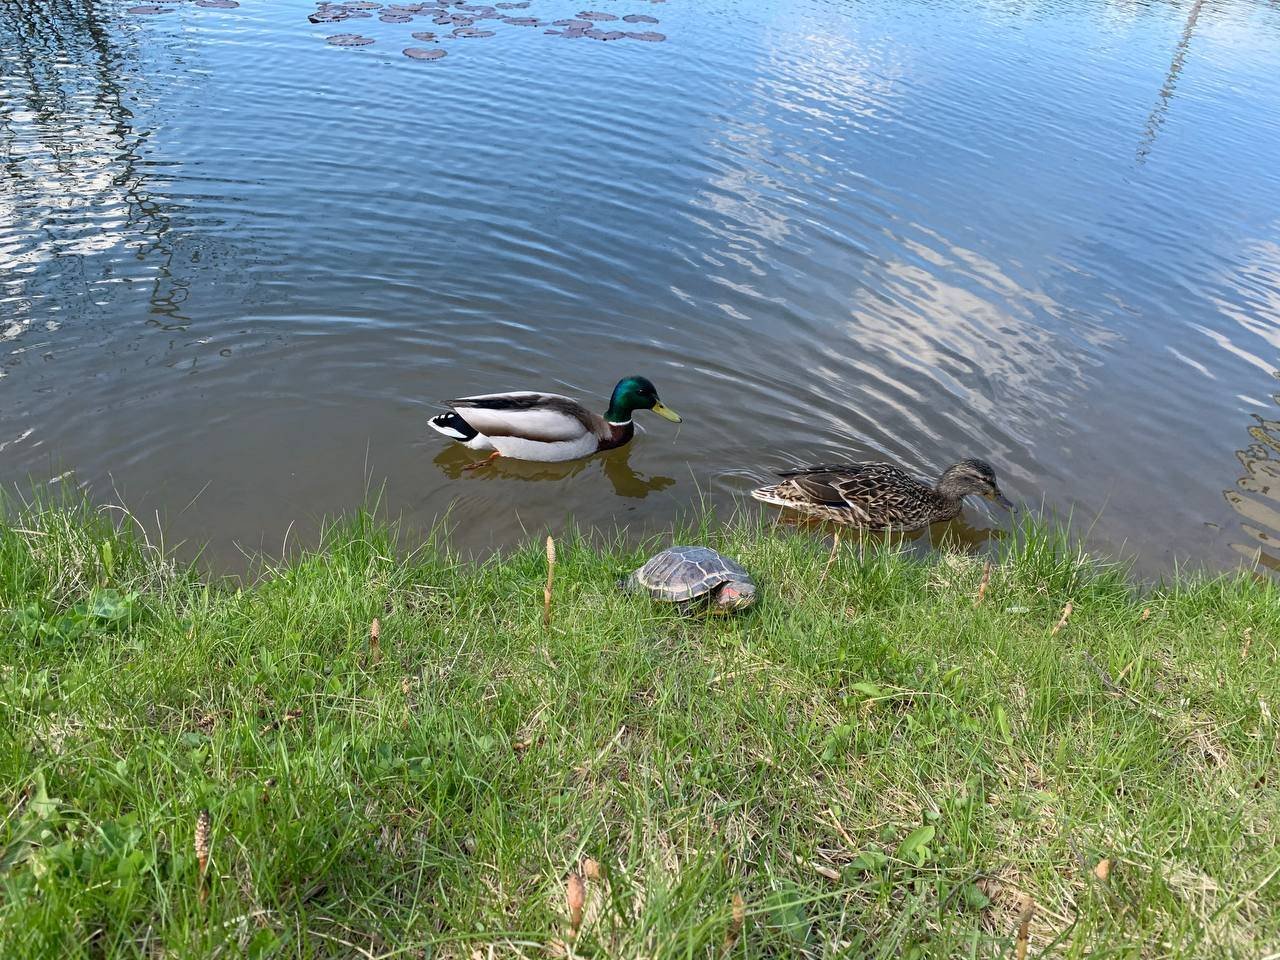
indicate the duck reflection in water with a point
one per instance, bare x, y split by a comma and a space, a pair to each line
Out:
615, 465
954, 534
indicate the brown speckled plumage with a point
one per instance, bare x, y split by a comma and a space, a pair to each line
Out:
880, 496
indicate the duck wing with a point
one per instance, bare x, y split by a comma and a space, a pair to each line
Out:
878, 494
545, 417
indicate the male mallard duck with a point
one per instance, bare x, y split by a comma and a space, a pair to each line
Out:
547, 426
881, 496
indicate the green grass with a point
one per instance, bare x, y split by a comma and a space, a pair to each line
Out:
877, 766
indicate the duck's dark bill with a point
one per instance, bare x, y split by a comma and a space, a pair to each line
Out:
1004, 501
662, 410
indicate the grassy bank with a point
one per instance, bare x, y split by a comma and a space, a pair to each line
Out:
875, 765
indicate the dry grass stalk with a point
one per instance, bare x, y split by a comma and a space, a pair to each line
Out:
375, 636
1103, 870
591, 869
576, 895
1248, 640
1146, 615
202, 852
551, 573
982, 586
1024, 926
735, 925
1062, 621
819, 868
835, 548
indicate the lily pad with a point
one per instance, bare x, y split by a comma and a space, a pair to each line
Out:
513, 6
650, 36
393, 18
423, 53
425, 35
524, 21
639, 18
476, 7
149, 10
363, 5
472, 32
324, 16
349, 40
604, 34
218, 4
596, 15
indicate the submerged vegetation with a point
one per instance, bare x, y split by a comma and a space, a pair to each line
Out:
376, 751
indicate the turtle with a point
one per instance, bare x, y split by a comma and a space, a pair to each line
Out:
696, 579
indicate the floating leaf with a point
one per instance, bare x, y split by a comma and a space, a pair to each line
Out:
639, 18
422, 53
349, 40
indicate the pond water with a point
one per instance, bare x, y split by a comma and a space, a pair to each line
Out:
240, 266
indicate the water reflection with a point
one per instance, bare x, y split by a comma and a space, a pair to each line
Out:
1156, 119
615, 465
875, 231
76, 167
1257, 493
951, 534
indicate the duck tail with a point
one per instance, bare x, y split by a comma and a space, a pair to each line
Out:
770, 494
453, 427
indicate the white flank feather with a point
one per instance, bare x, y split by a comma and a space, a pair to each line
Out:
538, 424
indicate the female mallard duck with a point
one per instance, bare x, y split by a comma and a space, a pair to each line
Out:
547, 426
879, 495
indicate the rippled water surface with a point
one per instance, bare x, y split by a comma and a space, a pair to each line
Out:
239, 266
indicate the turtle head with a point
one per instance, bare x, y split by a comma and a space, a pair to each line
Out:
636, 393
733, 596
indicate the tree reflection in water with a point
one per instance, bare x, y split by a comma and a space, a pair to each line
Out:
1257, 494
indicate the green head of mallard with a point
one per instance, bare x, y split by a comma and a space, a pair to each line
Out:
636, 393
972, 477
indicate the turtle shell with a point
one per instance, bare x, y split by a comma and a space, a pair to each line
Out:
683, 573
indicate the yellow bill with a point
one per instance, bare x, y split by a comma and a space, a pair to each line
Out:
662, 410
